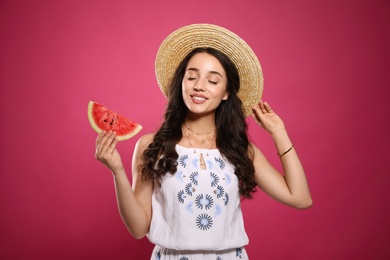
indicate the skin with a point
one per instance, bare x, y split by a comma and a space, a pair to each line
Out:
204, 88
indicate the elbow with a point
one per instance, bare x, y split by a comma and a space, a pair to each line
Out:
136, 230
304, 204
138, 235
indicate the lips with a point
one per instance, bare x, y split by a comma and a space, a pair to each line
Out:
198, 99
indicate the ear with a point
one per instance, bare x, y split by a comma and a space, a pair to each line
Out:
225, 96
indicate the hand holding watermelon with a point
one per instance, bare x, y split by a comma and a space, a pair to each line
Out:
107, 153
111, 127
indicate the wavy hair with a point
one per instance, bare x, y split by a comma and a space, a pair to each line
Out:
160, 157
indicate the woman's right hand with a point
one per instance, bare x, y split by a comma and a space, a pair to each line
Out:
107, 153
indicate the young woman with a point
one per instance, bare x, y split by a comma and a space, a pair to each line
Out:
189, 176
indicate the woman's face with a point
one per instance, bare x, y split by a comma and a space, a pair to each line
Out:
204, 84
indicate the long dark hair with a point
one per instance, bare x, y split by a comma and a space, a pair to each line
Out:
231, 129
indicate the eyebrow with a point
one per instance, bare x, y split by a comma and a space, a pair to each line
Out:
211, 71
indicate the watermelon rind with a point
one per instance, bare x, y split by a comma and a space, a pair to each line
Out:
95, 127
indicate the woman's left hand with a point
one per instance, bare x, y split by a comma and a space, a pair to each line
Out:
267, 118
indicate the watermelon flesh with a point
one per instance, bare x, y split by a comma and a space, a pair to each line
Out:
103, 119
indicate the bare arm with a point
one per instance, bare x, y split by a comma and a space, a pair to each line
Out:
291, 189
134, 203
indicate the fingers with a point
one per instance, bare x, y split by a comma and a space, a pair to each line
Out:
263, 107
112, 145
257, 118
262, 113
267, 107
257, 113
99, 138
105, 144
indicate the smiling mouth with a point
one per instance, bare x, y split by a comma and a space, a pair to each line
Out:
199, 98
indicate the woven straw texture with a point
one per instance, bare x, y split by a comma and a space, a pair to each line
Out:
182, 41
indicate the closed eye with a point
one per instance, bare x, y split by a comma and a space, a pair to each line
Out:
213, 82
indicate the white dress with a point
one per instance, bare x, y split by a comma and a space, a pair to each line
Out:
196, 211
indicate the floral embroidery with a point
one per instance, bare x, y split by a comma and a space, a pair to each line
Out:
202, 203
189, 207
206, 202
183, 160
204, 222
214, 179
210, 164
198, 200
227, 179
181, 196
239, 252
195, 163
219, 191
179, 176
194, 178
218, 210
221, 162
189, 189
226, 199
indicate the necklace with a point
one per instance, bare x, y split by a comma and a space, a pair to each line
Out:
202, 140
202, 162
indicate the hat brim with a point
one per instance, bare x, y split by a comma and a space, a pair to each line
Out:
182, 41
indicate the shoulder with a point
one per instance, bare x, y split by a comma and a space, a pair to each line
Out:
144, 141
254, 152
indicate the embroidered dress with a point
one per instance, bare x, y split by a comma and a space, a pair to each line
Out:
196, 211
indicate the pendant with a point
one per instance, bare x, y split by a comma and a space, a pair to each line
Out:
202, 163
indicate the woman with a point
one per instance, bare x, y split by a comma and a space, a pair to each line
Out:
189, 176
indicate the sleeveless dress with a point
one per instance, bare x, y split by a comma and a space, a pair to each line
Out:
196, 211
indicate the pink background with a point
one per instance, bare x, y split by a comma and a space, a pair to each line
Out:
326, 69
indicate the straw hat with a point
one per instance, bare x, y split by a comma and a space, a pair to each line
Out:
182, 41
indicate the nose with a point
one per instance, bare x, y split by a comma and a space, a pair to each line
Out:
199, 86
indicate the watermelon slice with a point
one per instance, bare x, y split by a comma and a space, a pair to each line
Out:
103, 119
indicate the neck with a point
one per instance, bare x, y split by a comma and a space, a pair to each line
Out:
200, 125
